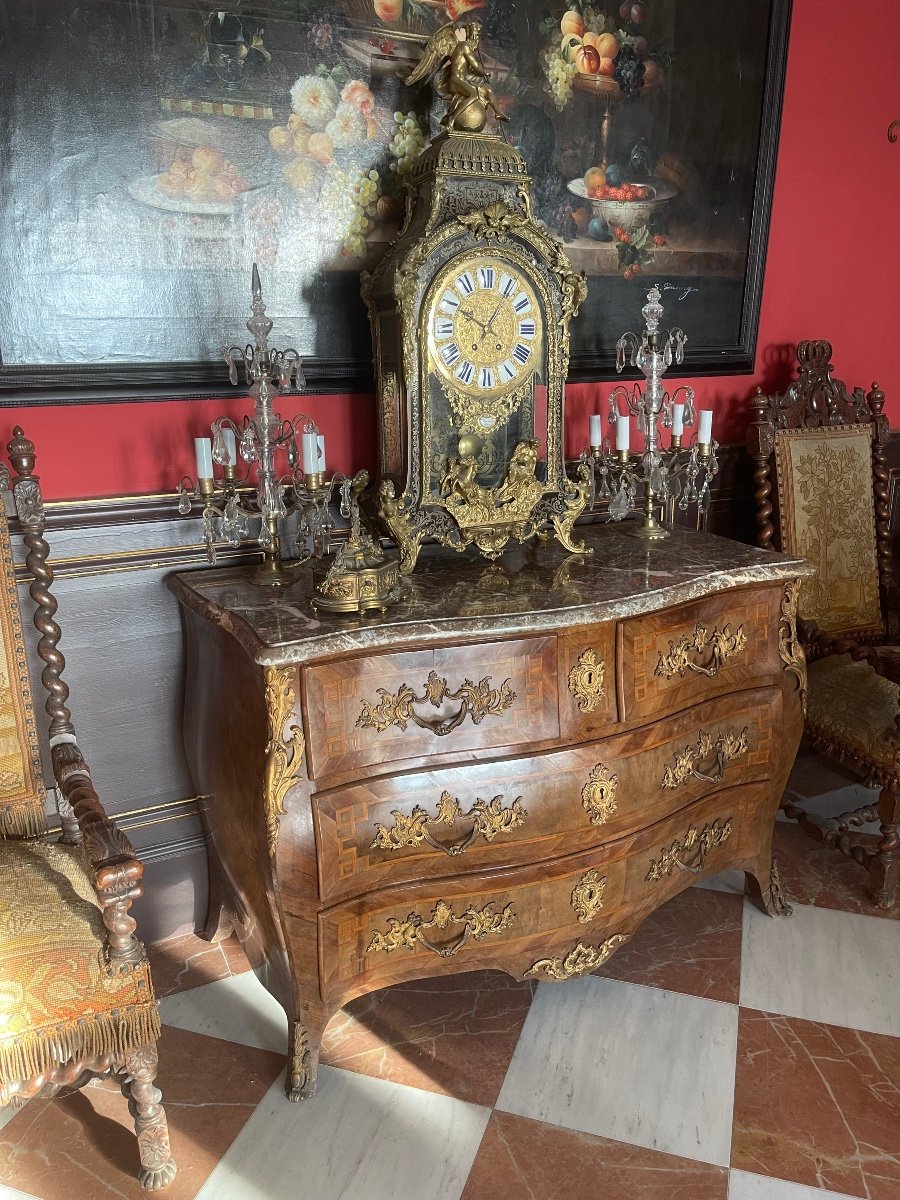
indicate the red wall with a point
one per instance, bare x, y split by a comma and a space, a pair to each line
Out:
834, 249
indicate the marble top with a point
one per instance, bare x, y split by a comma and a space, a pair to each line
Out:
529, 590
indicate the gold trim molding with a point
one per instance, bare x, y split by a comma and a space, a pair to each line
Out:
599, 794
790, 648
586, 681
580, 960
727, 747
489, 818
283, 759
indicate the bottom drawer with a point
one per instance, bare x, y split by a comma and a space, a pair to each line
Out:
509, 920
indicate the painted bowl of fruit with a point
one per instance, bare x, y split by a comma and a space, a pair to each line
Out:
627, 205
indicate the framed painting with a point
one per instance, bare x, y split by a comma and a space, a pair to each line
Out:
154, 151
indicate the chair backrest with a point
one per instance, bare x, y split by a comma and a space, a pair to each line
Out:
22, 790
827, 497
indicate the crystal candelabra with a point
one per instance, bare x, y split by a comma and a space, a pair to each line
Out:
229, 504
662, 474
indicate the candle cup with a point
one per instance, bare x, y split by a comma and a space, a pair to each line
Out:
676, 441
623, 455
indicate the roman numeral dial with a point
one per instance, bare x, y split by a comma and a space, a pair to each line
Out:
484, 326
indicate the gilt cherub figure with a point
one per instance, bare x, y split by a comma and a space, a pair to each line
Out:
451, 55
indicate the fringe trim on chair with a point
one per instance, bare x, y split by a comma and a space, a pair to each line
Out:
22, 819
116, 1032
830, 741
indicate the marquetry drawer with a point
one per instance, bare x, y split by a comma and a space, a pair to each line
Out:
409, 932
675, 658
401, 828
513, 920
587, 682
385, 708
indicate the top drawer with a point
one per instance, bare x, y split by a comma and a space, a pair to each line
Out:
384, 708
673, 659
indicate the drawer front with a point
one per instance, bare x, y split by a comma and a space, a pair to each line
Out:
531, 920
397, 829
385, 708
673, 659
587, 682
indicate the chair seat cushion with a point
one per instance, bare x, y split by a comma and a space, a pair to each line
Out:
851, 713
59, 998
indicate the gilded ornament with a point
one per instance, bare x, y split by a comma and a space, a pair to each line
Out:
495, 221
587, 896
777, 897
579, 961
301, 1070
586, 681
599, 794
477, 924
697, 844
478, 700
723, 643
489, 819
790, 649
686, 765
284, 760
452, 54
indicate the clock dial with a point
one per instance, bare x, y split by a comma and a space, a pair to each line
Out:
484, 327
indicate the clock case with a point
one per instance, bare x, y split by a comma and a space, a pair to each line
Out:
470, 195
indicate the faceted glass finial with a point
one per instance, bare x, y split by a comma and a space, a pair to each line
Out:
652, 310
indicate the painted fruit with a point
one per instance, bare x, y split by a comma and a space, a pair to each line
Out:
388, 10
625, 10
595, 178
580, 217
587, 60
614, 175
651, 73
598, 230
456, 8
607, 45
281, 139
641, 46
638, 13
591, 39
607, 66
572, 23
571, 43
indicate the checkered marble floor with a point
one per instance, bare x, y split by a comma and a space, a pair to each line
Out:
721, 1055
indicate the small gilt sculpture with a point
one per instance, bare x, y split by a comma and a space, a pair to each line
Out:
361, 577
451, 55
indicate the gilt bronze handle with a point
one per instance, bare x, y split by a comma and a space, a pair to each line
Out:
476, 924
723, 643
727, 747
694, 845
489, 818
478, 700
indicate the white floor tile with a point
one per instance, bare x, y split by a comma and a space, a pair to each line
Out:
237, 1009
744, 1186
823, 965
641, 1065
8, 1193
358, 1139
725, 881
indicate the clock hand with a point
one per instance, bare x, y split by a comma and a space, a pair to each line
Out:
463, 312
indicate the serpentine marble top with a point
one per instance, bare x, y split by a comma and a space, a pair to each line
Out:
530, 589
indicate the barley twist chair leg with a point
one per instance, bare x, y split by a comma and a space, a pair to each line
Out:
157, 1165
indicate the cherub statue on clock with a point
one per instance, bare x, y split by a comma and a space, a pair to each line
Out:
470, 312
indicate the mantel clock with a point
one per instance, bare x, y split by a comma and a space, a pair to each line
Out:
470, 313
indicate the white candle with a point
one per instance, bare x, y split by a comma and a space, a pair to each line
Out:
320, 449
596, 430
677, 420
623, 432
203, 453
704, 432
230, 445
310, 453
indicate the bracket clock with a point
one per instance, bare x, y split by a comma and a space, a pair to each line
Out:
470, 313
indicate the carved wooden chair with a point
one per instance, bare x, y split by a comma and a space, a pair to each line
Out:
821, 487
76, 999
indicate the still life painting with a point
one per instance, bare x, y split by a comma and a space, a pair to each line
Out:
177, 144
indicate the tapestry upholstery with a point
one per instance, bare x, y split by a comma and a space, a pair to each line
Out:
851, 712
59, 998
22, 789
827, 512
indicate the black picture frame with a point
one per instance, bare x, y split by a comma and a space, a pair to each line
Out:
347, 367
